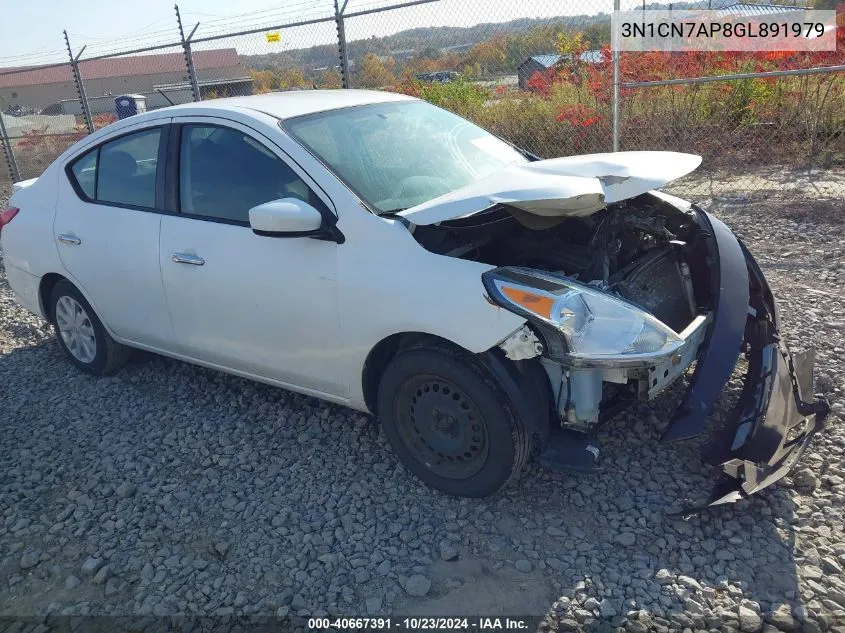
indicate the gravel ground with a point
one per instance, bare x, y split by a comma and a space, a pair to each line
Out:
174, 489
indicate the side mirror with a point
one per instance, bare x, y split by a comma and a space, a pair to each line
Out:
288, 217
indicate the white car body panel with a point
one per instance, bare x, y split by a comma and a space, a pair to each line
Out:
115, 244
295, 312
23, 184
571, 186
390, 285
29, 249
262, 305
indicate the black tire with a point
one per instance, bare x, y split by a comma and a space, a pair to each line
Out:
108, 355
450, 422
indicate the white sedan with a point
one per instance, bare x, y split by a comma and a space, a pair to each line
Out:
376, 251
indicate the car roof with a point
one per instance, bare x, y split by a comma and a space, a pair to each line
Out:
280, 105
292, 103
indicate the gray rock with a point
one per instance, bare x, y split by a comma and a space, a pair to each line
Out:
555, 564
831, 566
90, 566
805, 479
811, 572
626, 539
635, 626
664, 577
811, 626
417, 585
126, 490
30, 559
373, 605
112, 586
222, 548
523, 565
749, 620
607, 608
102, 575
448, 551
71, 582
782, 619
690, 583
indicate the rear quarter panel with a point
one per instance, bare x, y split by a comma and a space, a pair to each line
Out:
29, 250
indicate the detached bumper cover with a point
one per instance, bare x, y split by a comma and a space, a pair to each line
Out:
776, 416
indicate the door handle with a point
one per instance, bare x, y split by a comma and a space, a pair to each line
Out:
187, 258
72, 240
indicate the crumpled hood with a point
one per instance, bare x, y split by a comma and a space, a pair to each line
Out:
560, 187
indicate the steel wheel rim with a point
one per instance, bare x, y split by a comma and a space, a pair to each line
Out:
76, 329
442, 427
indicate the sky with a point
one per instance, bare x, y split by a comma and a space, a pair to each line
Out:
31, 30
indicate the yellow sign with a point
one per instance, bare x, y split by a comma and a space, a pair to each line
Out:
274, 37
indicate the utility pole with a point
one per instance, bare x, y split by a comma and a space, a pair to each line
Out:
341, 44
189, 57
80, 86
616, 44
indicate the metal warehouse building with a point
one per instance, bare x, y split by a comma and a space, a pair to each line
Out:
219, 71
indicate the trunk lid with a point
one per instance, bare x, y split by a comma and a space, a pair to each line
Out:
23, 184
547, 190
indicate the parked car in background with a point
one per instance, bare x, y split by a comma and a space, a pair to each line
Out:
19, 110
441, 76
379, 252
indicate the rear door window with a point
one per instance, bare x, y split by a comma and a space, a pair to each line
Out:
85, 172
121, 172
126, 170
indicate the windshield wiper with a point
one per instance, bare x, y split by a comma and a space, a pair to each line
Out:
392, 212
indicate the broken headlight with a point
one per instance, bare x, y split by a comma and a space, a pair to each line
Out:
595, 326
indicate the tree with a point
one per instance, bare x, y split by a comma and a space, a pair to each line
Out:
598, 34
429, 53
489, 56
376, 73
331, 79
262, 80
291, 78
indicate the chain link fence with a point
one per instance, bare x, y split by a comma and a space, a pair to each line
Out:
33, 136
767, 126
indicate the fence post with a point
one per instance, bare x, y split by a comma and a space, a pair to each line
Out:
9, 152
616, 44
341, 44
189, 57
80, 86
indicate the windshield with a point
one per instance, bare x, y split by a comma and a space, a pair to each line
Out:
398, 155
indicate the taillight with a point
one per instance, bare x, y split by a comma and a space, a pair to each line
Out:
6, 216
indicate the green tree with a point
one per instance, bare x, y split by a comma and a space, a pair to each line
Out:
376, 73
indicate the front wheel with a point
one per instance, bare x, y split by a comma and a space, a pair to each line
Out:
81, 334
450, 423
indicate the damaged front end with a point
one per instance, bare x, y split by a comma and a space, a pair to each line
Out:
625, 289
777, 415
603, 347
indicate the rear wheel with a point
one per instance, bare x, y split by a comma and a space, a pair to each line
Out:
450, 423
81, 334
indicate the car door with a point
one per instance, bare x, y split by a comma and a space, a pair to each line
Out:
261, 305
107, 230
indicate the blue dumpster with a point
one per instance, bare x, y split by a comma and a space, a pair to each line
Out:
129, 105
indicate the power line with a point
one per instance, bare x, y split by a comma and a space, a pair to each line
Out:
238, 17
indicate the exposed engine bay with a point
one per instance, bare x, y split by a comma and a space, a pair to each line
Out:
640, 249
643, 250
624, 289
